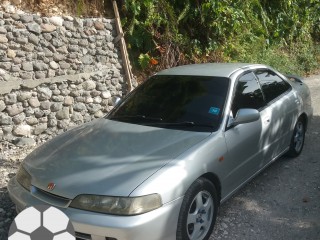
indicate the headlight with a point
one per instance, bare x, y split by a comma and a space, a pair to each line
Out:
117, 205
24, 178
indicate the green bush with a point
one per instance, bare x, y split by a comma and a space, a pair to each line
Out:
281, 33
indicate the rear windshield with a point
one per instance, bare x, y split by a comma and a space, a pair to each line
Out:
192, 103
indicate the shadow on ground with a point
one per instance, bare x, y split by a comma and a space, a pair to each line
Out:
280, 203
7, 213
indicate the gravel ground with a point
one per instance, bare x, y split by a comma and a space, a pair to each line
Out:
282, 203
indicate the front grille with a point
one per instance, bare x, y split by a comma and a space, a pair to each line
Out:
53, 195
50, 198
84, 236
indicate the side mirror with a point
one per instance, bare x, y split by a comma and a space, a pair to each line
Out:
246, 115
294, 78
116, 101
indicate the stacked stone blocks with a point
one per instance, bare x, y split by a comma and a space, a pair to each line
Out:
55, 73
32, 47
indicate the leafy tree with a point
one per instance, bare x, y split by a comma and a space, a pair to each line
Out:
166, 33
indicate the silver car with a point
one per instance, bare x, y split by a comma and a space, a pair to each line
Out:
161, 162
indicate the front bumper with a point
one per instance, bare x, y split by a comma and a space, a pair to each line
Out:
159, 224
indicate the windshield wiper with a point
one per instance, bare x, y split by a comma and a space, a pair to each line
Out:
157, 121
143, 117
183, 124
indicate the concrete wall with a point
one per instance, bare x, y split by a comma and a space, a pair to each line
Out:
55, 73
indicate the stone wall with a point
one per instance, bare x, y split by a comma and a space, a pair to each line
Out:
34, 47
55, 73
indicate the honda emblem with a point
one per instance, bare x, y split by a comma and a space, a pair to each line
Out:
51, 186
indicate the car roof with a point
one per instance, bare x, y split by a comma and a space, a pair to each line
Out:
209, 69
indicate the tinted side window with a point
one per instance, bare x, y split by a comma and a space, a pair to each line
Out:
272, 85
248, 94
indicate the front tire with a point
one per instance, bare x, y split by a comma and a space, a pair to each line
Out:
198, 211
297, 140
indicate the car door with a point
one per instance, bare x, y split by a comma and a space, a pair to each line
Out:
282, 107
245, 141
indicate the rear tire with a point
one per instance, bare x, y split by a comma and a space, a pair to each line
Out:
297, 139
198, 211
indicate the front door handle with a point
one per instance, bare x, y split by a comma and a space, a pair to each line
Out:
266, 120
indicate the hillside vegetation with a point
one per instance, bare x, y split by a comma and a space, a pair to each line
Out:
281, 33
165, 33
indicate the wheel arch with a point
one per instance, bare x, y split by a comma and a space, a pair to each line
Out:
213, 178
304, 118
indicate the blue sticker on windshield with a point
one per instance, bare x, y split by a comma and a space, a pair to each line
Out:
214, 111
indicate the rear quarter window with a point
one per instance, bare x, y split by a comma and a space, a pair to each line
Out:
272, 85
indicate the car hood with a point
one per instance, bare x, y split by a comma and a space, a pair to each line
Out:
106, 157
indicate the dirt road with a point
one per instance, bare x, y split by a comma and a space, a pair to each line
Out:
282, 203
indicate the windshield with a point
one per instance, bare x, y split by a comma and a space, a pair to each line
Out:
193, 103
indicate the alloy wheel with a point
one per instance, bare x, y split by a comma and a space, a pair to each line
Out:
200, 215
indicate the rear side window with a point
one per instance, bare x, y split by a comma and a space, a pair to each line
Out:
272, 85
248, 94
